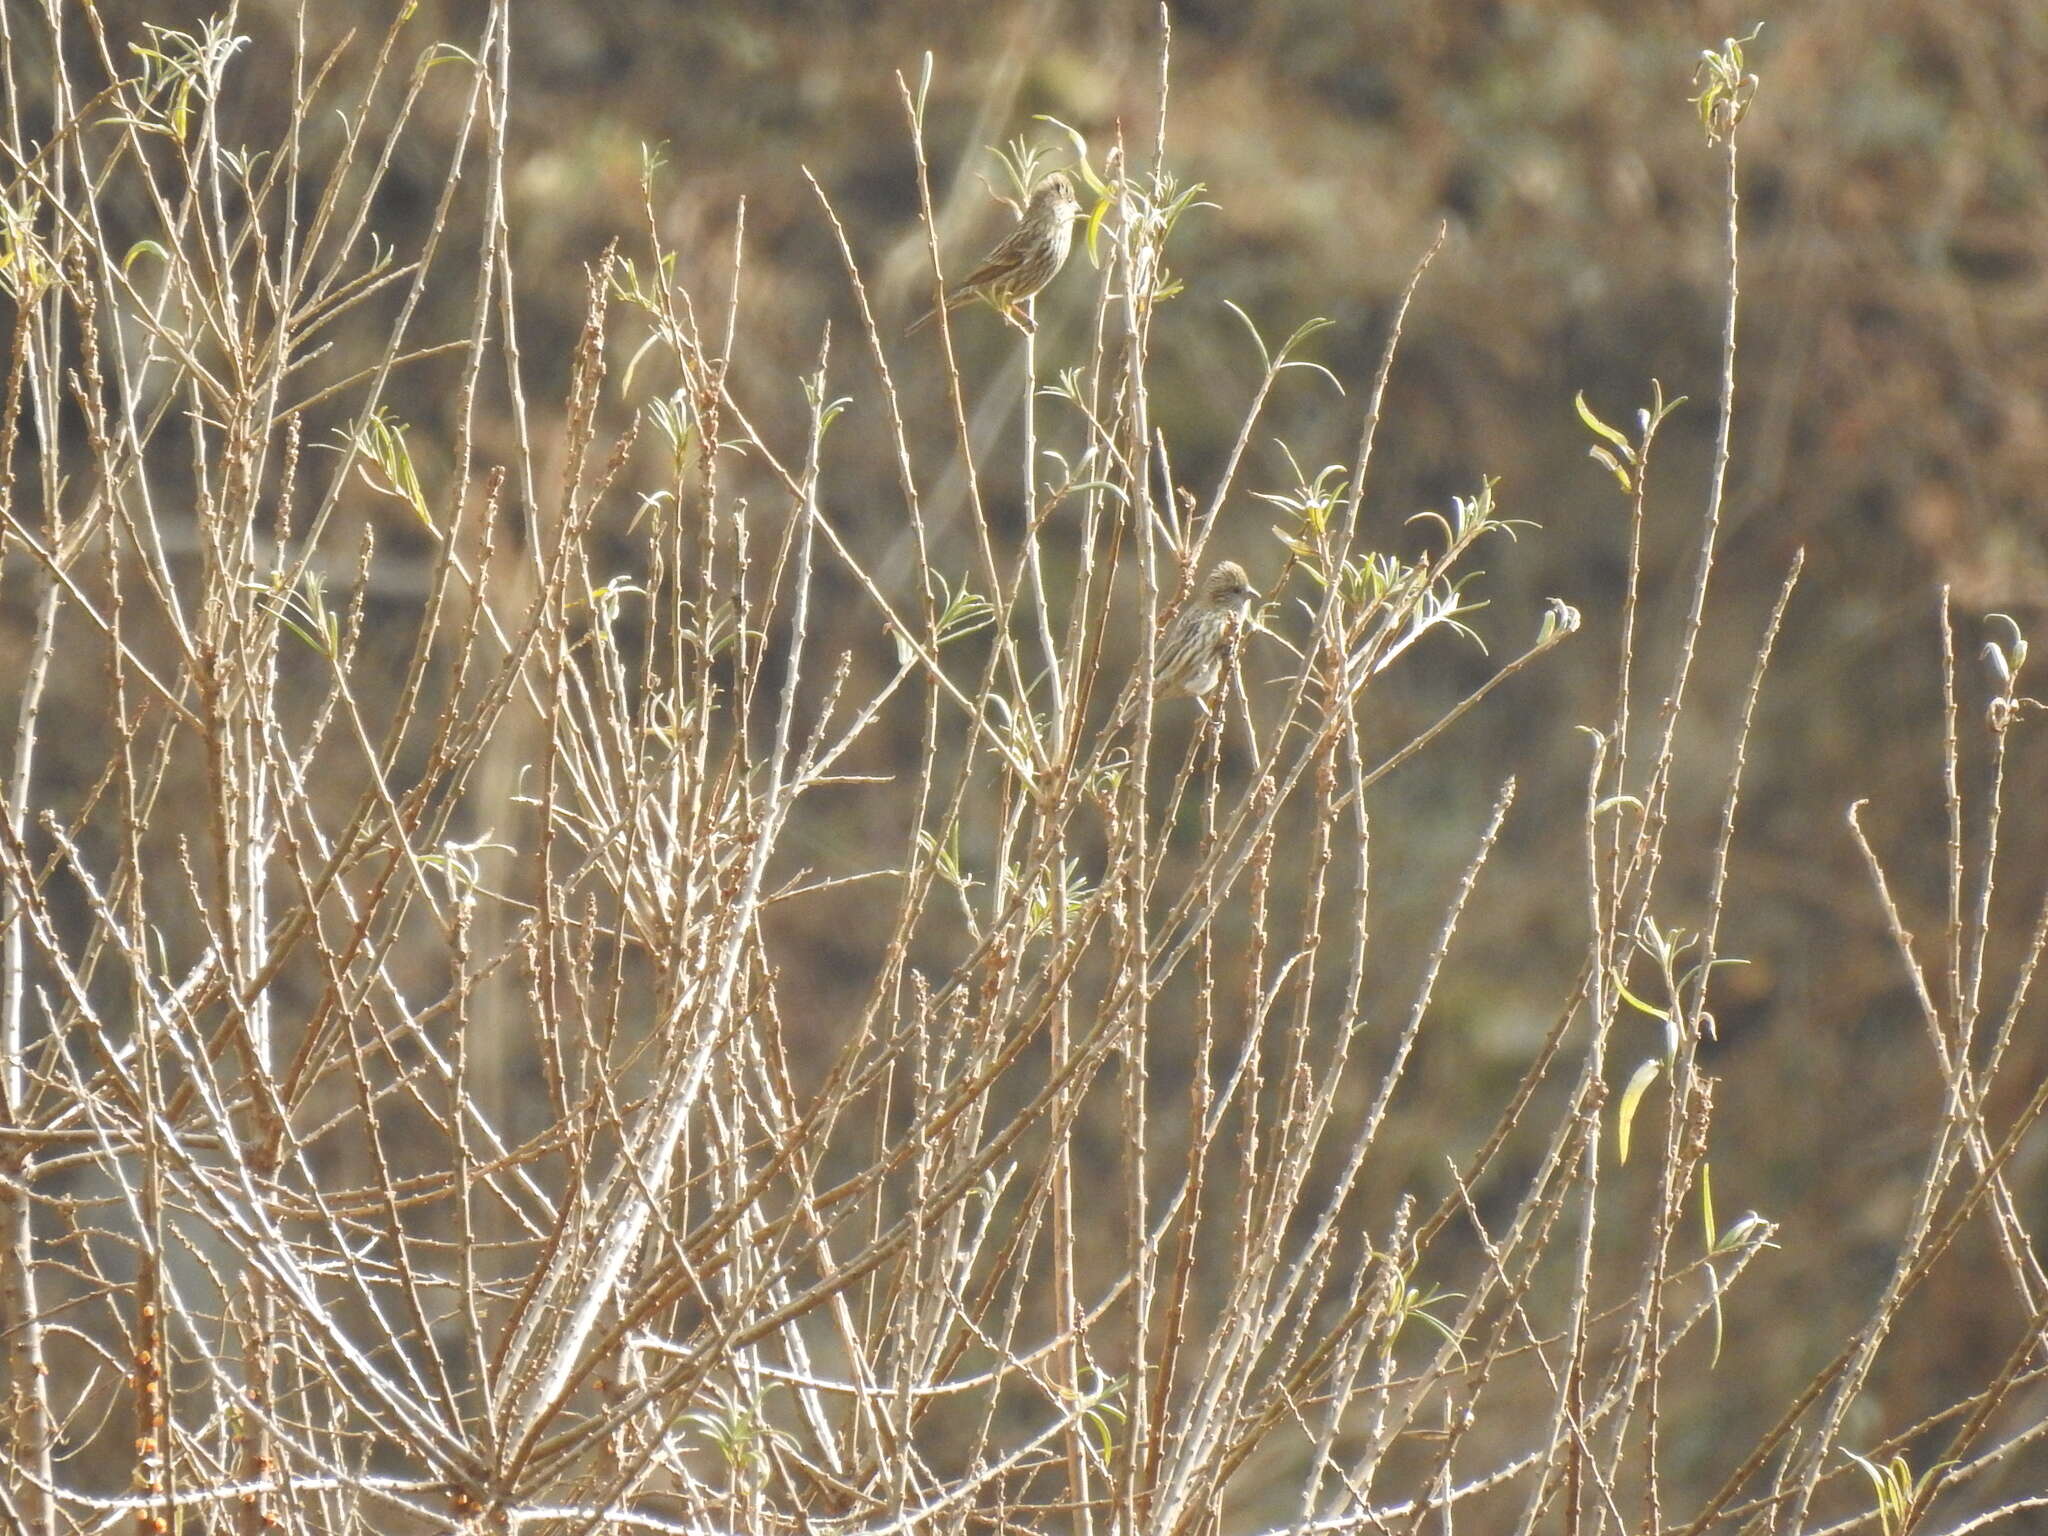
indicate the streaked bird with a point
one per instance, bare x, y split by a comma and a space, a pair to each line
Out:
1028, 258
1191, 653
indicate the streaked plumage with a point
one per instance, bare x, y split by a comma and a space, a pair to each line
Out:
1191, 653
1028, 258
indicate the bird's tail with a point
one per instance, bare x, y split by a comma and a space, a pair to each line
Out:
925, 319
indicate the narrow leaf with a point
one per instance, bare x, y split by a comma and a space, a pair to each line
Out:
1596, 424
1638, 1004
1613, 467
144, 248
1631, 1097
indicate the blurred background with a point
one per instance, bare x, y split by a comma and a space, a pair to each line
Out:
1892, 421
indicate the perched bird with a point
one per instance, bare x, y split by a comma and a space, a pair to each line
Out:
1191, 653
1028, 258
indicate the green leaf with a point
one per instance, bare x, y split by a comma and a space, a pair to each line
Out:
1613, 468
1596, 424
1714, 1290
144, 248
1265, 357
1302, 332
1631, 1098
1739, 1231
1095, 230
1638, 1004
1302, 362
1095, 183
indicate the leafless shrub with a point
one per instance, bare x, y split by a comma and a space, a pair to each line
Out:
290, 1245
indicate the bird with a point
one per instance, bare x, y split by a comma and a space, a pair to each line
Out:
1026, 259
1190, 656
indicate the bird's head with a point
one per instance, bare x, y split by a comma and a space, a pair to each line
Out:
1227, 587
1056, 193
